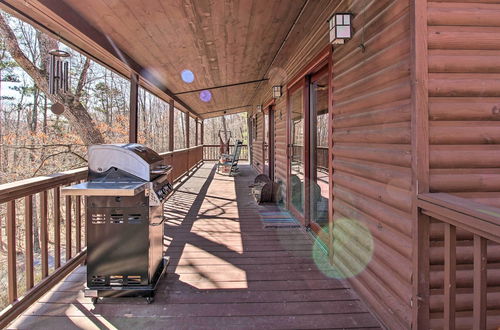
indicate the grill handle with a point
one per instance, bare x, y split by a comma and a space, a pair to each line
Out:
153, 224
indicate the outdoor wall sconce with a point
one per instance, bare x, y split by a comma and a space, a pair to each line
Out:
276, 92
340, 28
259, 108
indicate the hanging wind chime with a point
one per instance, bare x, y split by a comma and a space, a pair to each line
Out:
58, 76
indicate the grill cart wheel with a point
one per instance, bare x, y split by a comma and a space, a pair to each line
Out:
150, 300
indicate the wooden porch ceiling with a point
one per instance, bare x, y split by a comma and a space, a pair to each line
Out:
220, 42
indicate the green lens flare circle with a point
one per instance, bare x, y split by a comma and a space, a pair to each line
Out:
352, 249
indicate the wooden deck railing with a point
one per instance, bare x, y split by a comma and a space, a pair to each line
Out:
321, 155
40, 195
39, 202
469, 228
212, 151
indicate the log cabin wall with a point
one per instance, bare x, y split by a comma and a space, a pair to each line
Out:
280, 145
307, 38
464, 133
372, 152
372, 139
464, 99
257, 145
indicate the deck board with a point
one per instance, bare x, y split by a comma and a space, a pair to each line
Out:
227, 271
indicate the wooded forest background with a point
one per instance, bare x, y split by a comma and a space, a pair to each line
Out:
34, 141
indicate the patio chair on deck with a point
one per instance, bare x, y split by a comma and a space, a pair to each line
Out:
228, 164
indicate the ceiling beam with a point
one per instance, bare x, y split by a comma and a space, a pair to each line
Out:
225, 110
76, 21
223, 86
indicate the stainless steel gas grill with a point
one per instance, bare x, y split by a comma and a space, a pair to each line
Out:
125, 192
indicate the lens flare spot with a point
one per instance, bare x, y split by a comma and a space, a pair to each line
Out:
205, 96
187, 76
352, 250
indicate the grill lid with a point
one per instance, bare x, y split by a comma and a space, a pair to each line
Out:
135, 159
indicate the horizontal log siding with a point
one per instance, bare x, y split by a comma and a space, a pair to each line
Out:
372, 150
258, 155
464, 118
280, 146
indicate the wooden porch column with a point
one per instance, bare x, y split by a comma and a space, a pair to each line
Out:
171, 125
196, 132
202, 131
187, 130
134, 91
420, 164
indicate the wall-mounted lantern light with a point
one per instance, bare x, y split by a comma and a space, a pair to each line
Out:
340, 28
259, 108
276, 92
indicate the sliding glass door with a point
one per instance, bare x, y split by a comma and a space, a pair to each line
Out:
318, 178
308, 176
296, 165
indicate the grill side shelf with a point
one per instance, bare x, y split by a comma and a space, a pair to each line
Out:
104, 189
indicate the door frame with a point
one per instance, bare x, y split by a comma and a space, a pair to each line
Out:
323, 61
290, 90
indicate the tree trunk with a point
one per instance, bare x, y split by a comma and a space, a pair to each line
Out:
74, 111
44, 128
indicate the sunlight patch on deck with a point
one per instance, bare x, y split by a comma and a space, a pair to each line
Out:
195, 270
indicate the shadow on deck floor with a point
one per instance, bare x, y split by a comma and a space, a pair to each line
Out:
226, 271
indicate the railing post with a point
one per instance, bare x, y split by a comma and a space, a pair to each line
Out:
171, 125
480, 284
57, 227
450, 265
11, 250
28, 240
78, 225
44, 233
68, 228
134, 91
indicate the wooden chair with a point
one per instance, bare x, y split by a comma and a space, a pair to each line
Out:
228, 164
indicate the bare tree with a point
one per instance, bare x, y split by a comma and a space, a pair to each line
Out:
74, 111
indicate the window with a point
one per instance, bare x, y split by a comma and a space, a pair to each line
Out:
152, 121
179, 129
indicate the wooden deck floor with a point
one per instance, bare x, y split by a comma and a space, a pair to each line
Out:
226, 271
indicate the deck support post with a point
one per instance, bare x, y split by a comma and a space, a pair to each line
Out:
196, 132
187, 130
133, 115
420, 164
171, 125
202, 132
